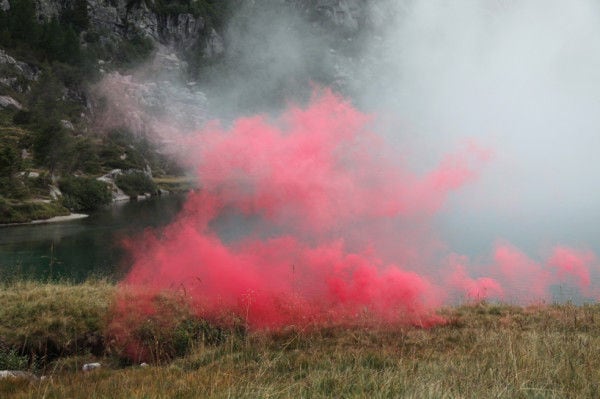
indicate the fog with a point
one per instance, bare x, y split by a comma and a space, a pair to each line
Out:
520, 78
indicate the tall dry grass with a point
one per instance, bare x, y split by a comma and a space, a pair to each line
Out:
483, 351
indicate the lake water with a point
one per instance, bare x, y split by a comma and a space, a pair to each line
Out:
78, 249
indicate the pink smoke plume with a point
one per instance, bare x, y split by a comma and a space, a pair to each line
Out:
326, 192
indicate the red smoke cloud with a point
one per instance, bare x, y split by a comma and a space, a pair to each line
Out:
318, 192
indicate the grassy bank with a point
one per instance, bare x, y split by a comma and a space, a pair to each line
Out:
483, 350
12, 211
176, 184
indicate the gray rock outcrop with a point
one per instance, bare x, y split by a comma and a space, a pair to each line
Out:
346, 16
18, 375
16, 74
115, 19
9, 102
152, 103
117, 194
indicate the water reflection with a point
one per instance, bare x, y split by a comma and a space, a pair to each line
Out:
81, 248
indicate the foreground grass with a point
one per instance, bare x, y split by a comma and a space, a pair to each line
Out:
483, 350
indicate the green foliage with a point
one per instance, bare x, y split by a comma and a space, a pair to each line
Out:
22, 117
533, 352
133, 51
77, 15
14, 187
135, 183
10, 159
10, 359
21, 21
50, 146
84, 194
169, 330
163, 341
46, 99
51, 41
60, 42
11, 185
23, 212
123, 150
48, 320
85, 156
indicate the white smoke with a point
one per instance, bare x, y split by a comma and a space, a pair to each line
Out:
521, 77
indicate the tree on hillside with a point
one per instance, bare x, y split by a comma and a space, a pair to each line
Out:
51, 145
70, 51
46, 96
22, 23
77, 16
52, 39
10, 160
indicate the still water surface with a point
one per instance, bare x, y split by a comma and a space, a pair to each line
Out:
78, 249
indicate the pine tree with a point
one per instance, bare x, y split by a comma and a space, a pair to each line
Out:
22, 23
77, 16
52, 41
70, 50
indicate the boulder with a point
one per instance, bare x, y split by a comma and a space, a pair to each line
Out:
9, 102
18, 375
22, 68
91, 366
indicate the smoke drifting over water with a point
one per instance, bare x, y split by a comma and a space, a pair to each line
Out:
522, 77
469, 135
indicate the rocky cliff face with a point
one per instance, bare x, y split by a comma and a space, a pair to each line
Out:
347, 16
122, 18
16, 74
184, 30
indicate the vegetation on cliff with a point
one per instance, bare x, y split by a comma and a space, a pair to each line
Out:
48, 135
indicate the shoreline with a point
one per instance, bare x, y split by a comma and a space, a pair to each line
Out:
55, 219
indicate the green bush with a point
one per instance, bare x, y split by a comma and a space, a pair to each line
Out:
50, 320
11, 360
135, 183
55, 40
22, 117
14, 188
166, 329
84, 194
134, 50
23, 212
10, 158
